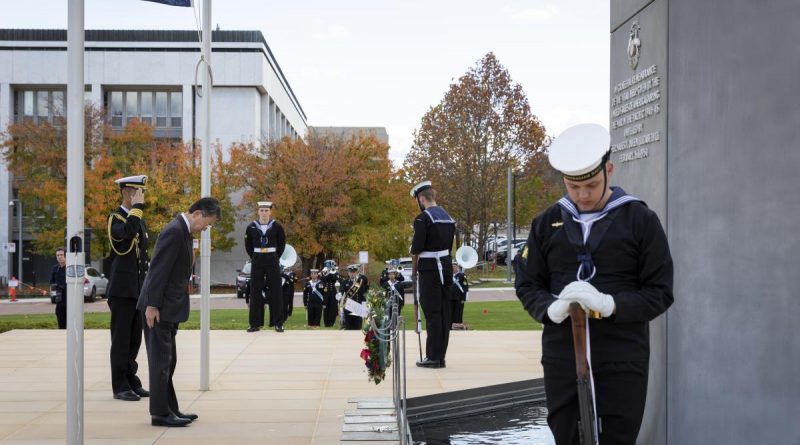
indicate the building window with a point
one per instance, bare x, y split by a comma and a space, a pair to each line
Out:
161, 109
131, 106
115, 108
39, 105
146, 107
176, 108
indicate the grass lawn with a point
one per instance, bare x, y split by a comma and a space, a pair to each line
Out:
482, 316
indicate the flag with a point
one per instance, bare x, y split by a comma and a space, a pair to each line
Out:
173, 2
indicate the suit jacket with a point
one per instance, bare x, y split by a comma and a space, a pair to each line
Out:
127, 233
166, 284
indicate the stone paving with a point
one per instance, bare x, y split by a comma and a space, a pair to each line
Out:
266, 388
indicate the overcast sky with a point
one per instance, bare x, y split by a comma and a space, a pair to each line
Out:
385, 62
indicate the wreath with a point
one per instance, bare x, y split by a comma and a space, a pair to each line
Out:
376, 351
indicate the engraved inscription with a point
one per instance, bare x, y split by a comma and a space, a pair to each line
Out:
635, 100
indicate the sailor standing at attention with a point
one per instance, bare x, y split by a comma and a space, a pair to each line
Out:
432, 271
264, 241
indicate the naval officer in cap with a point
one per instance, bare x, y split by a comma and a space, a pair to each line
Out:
127, 236
432, 268
606, 250
264, 241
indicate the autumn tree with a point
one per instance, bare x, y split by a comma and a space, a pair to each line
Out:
334, 196
36, 154
466, 143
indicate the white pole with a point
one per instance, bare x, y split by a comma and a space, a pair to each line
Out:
205, 190
21, 250
75, 256
509, 213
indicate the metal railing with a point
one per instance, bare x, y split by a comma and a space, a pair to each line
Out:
394, 333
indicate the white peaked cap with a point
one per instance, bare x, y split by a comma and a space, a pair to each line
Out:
137, 181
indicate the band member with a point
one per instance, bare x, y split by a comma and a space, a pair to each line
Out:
606, 250
458, 297
265, 240
394, 288
314, 298
127, 235
354, 288
58, 284
434, 231
392, 264
330, 278
289, 278
164, 299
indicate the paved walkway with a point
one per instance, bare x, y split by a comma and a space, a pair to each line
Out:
218, 301
266, 388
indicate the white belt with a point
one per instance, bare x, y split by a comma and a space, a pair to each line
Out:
264, 250
438, 256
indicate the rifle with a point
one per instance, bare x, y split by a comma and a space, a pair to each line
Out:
587, 430
414, 283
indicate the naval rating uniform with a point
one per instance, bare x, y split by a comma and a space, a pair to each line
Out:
264, 244
434, 231
626, 248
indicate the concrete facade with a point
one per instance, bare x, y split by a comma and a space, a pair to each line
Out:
718, 161
252, 99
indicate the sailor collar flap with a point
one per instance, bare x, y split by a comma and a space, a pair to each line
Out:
439, 216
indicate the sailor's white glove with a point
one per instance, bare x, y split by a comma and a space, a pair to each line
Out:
589, 297
558, 311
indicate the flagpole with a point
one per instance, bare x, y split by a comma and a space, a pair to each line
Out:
75, 223
205, 190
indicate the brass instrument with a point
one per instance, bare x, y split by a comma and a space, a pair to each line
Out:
353, 289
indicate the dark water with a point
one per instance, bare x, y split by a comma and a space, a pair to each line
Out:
518, 425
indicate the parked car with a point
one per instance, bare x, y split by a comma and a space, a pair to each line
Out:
502, 253
243, 280
95, 285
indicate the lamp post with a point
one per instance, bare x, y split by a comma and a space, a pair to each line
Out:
19, 231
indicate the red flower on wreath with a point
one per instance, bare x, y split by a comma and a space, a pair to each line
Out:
365, 354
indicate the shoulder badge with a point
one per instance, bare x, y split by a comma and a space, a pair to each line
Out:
557, 224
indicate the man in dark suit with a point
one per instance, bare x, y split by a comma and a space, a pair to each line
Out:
58, 284
164, 299
127, 235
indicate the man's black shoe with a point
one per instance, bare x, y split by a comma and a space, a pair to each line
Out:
170, 420
141, 392
428, 363
189, 416
128, 396
279, 328
252, 329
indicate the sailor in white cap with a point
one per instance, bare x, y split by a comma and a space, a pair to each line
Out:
313, 299
265, 241
128, 238
606, 250
432, 271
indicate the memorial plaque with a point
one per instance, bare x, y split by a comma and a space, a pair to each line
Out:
638, 123
637, 108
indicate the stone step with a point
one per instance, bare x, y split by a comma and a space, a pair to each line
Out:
370, 419
369, 412
368, 435
371, 404
373, 427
